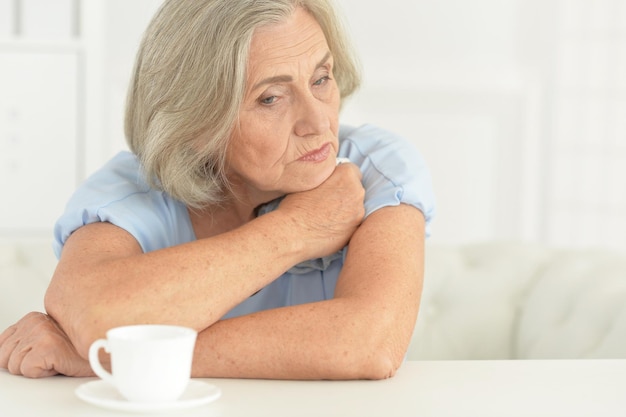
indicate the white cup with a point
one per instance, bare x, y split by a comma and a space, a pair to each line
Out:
149, 362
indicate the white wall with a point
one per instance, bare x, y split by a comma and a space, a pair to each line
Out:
40, 110
452, 83
485, 89
518, 105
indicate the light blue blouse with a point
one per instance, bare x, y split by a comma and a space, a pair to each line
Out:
393, 173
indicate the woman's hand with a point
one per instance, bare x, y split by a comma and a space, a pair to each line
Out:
327, 216
36, 347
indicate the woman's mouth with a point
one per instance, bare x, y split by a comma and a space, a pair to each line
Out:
317, 155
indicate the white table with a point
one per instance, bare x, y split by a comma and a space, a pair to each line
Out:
448, 388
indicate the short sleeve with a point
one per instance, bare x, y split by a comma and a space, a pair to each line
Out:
393, 170
117, 194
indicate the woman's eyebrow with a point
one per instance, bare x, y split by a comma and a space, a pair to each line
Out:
288, 78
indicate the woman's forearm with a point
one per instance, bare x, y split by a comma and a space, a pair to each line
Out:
193, 284
334, 339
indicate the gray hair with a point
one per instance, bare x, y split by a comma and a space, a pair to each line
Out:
189, 82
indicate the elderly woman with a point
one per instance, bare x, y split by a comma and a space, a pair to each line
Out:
231, 214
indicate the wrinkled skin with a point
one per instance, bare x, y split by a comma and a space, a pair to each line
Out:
36, 347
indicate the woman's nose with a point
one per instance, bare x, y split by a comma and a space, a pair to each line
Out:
312, 117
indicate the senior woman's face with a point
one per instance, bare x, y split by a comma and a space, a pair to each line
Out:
286, 139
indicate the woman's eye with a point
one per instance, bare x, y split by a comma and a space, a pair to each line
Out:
322, 80
268, 100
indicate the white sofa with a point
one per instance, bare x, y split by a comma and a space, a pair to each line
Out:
480, 301
521, 301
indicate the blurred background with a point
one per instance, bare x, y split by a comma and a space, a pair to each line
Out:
519, 107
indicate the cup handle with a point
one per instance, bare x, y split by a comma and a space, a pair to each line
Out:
94, 359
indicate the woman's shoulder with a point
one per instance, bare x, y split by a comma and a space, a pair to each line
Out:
387, 151
393, 169
370, 136
119, 194
390, 154
123, 172
117, 181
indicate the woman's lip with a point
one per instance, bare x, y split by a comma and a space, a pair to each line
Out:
317, 155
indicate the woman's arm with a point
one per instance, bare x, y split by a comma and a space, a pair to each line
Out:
363, 332
103, 279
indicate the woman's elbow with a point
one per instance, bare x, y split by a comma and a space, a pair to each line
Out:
73, 320
380, 366
374, 366
373, 358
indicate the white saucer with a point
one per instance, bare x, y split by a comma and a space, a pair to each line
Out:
103, 394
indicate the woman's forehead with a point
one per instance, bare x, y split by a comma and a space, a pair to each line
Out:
296, 40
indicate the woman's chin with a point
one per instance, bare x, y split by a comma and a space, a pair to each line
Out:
319, 179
